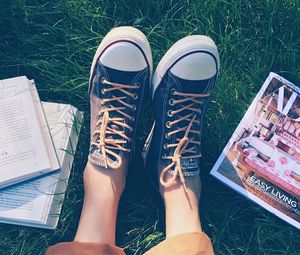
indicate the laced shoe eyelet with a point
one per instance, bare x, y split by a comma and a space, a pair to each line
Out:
172, 91
165, 146
133, 108
164, 156
168, 124
102, 80
138, 84
171, 102
167, 136
170, 113
135, 96
103, 91
132, 119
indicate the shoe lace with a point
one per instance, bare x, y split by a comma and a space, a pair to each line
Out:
182, 147
107, 145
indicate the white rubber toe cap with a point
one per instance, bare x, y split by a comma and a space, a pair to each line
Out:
122, 49
197, 66
123, 56
194, 57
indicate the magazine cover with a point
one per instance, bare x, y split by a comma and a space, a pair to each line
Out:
262, 158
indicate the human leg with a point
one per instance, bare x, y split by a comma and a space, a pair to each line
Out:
98, 218
182, 86
119, 81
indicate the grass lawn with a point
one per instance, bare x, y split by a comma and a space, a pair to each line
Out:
54, 43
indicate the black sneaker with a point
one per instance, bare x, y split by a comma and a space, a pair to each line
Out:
182, 87
119, 83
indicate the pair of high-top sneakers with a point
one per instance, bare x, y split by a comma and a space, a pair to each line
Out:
181, 87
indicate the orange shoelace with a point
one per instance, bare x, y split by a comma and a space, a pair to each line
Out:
181, 147
106, 144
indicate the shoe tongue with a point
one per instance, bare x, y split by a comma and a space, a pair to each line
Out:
189, 166
124, 78
96, 158
118, 76
191, 86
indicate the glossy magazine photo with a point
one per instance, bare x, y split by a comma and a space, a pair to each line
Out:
262, 158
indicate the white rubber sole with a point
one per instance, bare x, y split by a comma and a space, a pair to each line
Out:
124, 33
180, 48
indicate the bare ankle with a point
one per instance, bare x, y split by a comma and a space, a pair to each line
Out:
182, 212
193, 189
103, 189
98, 180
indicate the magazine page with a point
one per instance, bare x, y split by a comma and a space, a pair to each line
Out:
262, 158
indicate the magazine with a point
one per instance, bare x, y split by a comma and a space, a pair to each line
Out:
262, 158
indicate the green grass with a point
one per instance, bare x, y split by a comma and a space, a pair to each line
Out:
54, 43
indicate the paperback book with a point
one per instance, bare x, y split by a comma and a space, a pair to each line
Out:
37, 202
26, 147
262, 158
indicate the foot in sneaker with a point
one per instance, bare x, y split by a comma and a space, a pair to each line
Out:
119, 82
182, 87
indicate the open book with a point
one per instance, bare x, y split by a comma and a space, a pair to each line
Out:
262, 158
38, 202
26, 147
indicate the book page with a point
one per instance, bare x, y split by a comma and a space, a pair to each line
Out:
31, 201
52, 155
73, 133
22, 148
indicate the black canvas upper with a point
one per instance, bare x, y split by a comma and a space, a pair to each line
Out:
163, 94
140, 78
